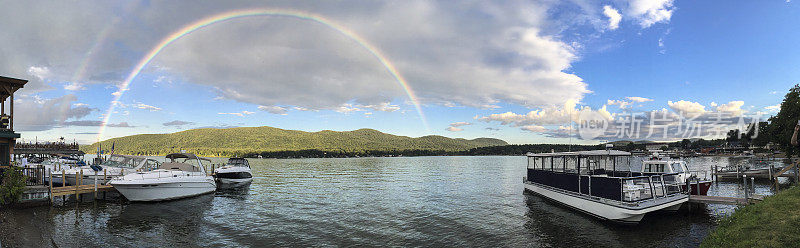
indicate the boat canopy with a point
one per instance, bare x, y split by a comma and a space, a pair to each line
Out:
185, 155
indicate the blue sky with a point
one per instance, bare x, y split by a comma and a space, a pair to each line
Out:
520, 71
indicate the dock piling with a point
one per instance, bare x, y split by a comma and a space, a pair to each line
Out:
95, 184
50, 171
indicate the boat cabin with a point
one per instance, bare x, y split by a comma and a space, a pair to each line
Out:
605, 174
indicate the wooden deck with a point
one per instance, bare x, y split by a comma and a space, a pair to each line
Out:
707, 199
79, 189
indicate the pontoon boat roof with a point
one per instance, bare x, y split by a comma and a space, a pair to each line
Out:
185, 155
581, 153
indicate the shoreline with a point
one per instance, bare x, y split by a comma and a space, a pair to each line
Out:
774, 222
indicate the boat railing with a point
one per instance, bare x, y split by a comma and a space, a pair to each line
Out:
637, 188
671, 183
649, 187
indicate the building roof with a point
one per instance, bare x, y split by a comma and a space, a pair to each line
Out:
10, 85
581, 153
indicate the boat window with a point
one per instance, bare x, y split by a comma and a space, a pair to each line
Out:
623, 163
532, 163
584, 164
150, 165
558, 164
572, 164
548, 163
654, 168
676, 167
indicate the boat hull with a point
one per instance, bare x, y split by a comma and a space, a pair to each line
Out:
163, 191
233, 175
702, 189
596, 208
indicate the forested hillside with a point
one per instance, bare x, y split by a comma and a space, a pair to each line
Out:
257, 140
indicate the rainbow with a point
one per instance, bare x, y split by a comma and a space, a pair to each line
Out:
260, 12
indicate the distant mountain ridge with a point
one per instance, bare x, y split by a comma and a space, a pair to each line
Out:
251, 140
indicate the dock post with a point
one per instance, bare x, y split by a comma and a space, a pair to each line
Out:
63, 184
51, 185
745, 187
78, 183
752, 184
95, 185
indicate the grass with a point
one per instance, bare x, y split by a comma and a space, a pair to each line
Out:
774, 222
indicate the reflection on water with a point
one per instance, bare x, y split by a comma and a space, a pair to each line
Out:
421, 201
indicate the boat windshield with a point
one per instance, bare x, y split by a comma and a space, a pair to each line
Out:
123, 162
238, 162
677, 167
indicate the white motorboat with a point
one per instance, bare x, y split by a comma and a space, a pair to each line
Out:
116, 165
698, 182
182, 176
236, 172
57, 164
593, 182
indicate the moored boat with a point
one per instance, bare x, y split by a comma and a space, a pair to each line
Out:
182, 176
595, 183
657, 165
114, 166
236, 172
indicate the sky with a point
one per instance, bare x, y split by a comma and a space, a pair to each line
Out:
521, 71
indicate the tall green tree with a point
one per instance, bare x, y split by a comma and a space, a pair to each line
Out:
782, 124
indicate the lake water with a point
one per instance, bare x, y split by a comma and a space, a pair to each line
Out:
410, 201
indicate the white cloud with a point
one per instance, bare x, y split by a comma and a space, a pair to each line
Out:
385, 106
613, 17
248, 112
547, 116
235, 113
773, 108
512, 56
278, 110
687, 108
146, 107
74, 87
534, 128
649, 12
347, 108
620, 103
639, 99
461, 123
734, 108
38, 114
454, 129
39, 72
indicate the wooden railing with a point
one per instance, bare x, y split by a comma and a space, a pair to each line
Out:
35, 175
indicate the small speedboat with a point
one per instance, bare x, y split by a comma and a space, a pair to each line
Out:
236, 172
182, 176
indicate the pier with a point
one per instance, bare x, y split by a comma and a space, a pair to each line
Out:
708, 199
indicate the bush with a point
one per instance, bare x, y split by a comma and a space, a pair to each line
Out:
13, 185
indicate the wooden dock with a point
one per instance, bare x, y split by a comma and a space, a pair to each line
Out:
708, 199
78, 189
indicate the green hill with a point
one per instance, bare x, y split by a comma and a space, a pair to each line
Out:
256, 140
